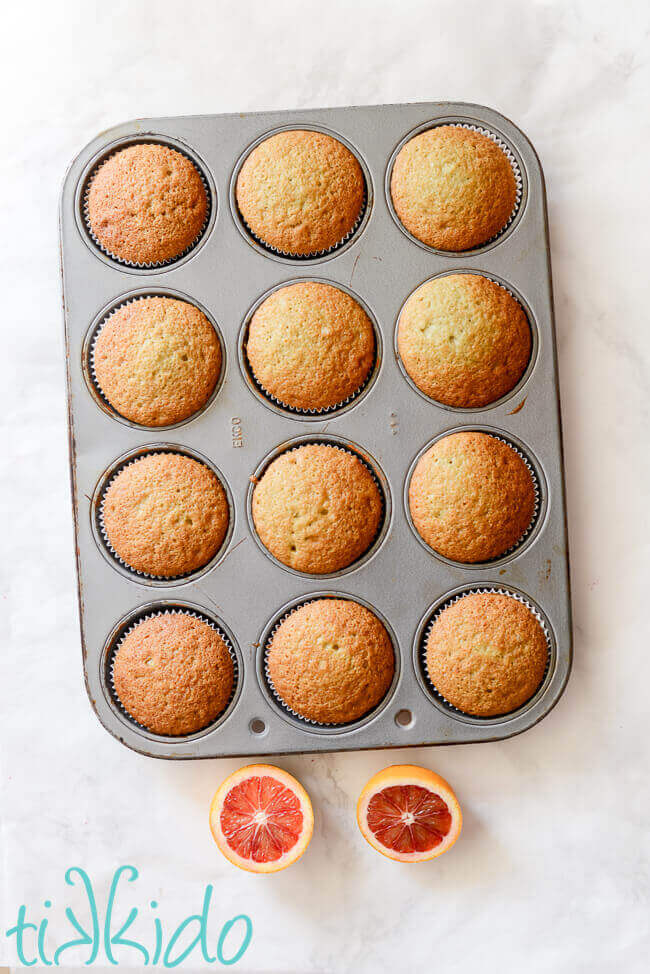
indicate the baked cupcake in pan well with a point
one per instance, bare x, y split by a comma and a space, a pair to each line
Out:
486, 654
300, 192
330, 661
471, 497
317, 508
310, 346
453, 188
173, 673
146, 204
463, 340
157, 360
165, 515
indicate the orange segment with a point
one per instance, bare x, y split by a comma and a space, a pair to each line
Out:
409, 813
261, 818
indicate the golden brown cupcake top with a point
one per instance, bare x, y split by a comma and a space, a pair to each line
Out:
453, 188
165, 514
486, 654
331, 661
463, 340
310, 345
300, 192
173, 674
146, 204
157, 360
471, 497
317, 508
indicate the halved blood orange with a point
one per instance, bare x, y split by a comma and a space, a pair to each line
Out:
261, 818
409, 813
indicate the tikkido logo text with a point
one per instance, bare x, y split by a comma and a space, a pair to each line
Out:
123, 934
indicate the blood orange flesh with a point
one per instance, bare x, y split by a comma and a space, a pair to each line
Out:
261, 819
409, 813
408, 818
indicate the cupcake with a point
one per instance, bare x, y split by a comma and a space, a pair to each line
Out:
146, 204
173, 673
471, 497
165, 515
464, 341
330, 661
310, 345
157, 360
300, 192
317, 508
453, 188
486, 654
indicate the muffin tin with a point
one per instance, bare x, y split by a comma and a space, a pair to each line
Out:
243, 591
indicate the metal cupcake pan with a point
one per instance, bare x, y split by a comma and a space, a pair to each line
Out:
243, 591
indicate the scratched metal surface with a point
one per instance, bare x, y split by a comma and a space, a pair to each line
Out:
244, 591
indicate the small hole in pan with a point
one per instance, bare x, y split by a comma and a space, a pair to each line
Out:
404, 719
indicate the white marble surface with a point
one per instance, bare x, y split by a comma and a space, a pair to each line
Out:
551, 872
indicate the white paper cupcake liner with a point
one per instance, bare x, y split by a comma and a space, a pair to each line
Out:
152, 615
316, 253
148, 265
323, 441
109, 547
482, 590
278, 699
